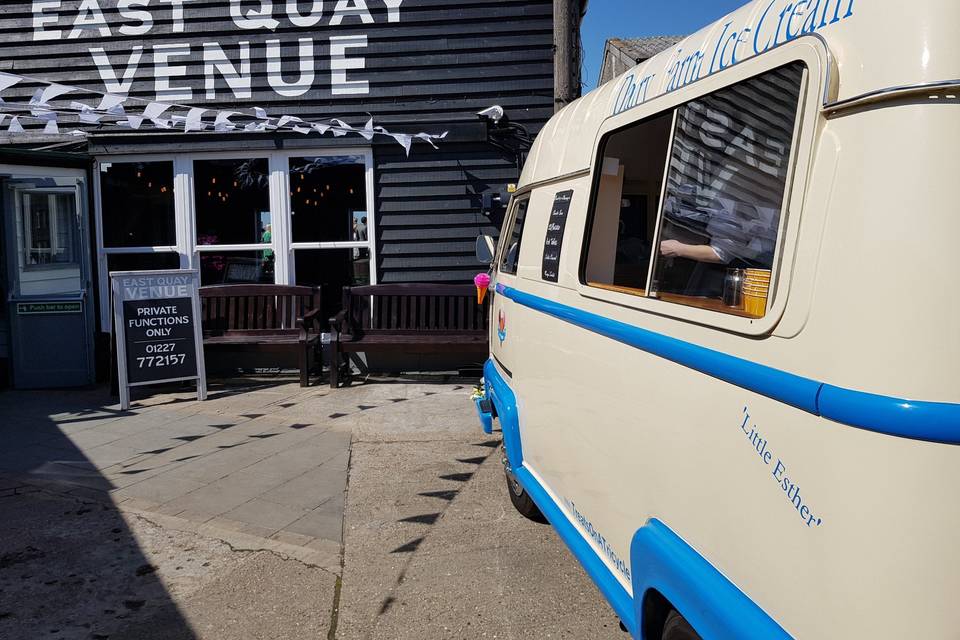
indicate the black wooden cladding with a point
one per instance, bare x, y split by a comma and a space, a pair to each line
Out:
432, 71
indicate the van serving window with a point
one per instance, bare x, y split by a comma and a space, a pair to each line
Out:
725, 191
511, 251
719, 221
625, 209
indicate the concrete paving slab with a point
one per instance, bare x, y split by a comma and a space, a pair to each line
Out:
275, 491
270, 516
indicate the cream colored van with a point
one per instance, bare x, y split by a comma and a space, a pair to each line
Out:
726, 327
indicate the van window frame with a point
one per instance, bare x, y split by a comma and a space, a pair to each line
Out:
812, 53
507, 231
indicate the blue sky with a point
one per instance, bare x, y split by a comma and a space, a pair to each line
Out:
638, 18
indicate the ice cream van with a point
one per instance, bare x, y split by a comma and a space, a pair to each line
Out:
725, 342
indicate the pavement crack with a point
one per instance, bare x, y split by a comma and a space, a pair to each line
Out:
239, 548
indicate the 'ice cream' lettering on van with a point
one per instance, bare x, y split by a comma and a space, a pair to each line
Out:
780, 22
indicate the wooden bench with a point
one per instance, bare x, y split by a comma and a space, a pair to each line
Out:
408, 319
263, 318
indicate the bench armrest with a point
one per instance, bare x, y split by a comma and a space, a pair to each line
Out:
340, 324
307, 322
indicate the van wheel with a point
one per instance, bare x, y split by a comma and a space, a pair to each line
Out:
522, 501
677, 628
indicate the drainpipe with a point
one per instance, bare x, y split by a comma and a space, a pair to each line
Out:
566, 54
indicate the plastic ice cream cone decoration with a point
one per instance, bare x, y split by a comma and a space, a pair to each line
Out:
482, 282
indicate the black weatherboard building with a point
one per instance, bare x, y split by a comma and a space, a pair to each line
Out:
250, 199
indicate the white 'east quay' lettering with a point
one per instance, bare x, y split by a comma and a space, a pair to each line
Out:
138, 19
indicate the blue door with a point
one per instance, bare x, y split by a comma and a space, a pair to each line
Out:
49, 309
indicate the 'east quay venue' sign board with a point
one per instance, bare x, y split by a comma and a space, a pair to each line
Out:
257, 27
157, 329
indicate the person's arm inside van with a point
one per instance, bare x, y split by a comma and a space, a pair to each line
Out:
698, 252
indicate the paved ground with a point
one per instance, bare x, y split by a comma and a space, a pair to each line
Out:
270, 511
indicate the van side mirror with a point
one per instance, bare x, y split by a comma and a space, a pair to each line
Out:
485, 249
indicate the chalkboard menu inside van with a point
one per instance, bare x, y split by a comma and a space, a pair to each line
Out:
553, 243
157, 327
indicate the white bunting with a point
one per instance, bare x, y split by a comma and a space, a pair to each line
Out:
367, 131
194, 120
7, 80
112, 104
87, 113
405, 140
222, 122
44, 95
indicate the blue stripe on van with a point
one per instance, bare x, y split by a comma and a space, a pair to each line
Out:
499, 392
713, 605
932, 421
659, 559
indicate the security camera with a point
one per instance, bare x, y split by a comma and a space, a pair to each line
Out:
494, 113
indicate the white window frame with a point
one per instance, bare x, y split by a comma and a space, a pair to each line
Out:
186, 246
50, 193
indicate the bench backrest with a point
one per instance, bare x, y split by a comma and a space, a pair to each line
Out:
434, 308
255, 307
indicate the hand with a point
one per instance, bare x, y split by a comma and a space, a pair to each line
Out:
672, 248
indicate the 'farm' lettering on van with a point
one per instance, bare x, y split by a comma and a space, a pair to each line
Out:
762, 446
780, 22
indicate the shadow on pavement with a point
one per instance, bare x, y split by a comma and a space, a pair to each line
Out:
70, 565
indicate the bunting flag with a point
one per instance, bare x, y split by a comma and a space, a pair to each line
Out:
117, 110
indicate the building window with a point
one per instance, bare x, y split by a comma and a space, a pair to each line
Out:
511, 251
724, 195
626, 205
48, 229
241, 225
143, 261
325, 193
232, 200
137, 204
237, 267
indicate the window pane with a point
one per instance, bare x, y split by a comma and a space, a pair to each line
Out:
328, 199
511, 252
48, 229
233, 201
628, 198
725, 190
137, 201
236, 267
142, 262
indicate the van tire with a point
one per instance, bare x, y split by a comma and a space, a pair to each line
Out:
676, 627
522, 501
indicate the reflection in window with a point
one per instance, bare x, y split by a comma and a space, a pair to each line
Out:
236, 267
137, 203
511, 251
725, 190
233, 201
628, 199
48, 229
328, 199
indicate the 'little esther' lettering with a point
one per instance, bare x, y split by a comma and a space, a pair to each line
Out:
762, 446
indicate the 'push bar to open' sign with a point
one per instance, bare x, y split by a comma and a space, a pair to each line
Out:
156, 320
